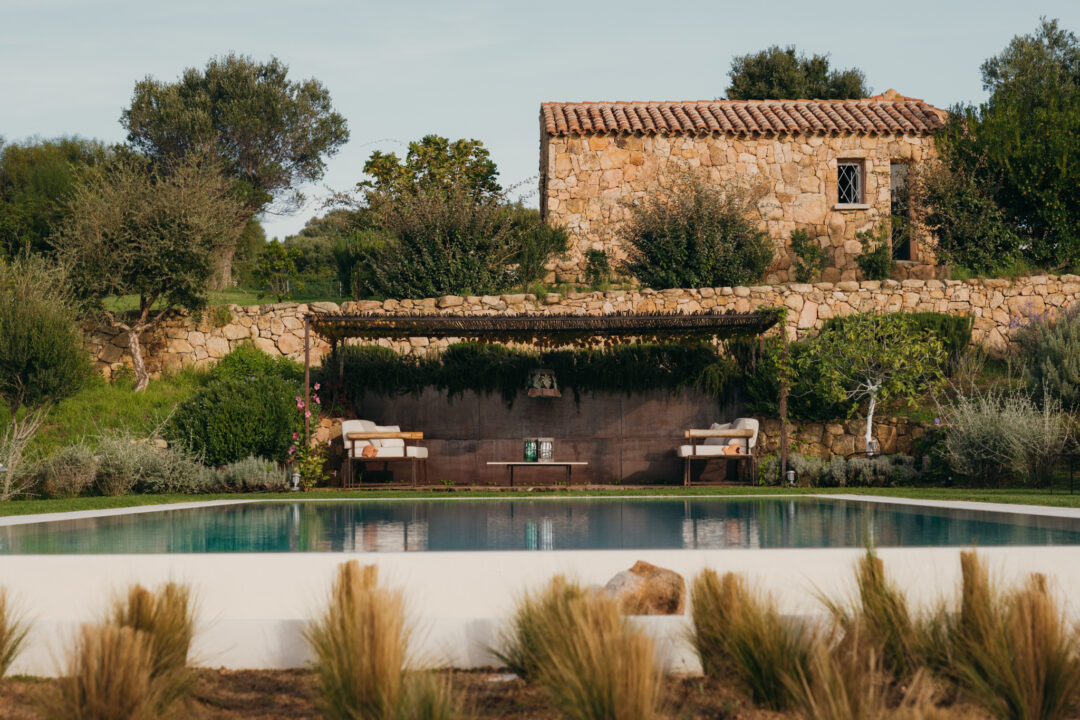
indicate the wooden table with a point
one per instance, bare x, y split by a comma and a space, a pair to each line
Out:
511, 464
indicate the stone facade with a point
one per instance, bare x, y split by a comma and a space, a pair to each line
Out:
593, 182
842, 437
998, 307
591, 176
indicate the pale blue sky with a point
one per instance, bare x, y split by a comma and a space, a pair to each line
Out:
475, 68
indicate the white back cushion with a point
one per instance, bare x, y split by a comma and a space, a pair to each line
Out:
393, 442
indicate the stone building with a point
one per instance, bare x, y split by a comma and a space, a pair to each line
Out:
829, 166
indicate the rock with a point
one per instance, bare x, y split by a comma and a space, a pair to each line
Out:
325, 307
447, 301
646, 589
217, 347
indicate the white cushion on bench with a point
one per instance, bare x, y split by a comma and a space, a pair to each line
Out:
702, 450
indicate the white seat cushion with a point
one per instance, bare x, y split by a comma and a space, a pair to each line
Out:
381, 453
420, 453
702, 450
747, 424
351, 426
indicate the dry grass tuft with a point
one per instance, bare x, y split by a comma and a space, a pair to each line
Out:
843, 682
167, 617
599, 667
523, 647
108, 677
1014, 652
362, 656
742, 632
13, 631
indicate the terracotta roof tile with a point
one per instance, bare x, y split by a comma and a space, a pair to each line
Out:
886, 114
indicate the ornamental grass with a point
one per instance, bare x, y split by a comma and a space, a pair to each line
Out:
740, 632
524, 647
364, 667
108, 677
600, 667
13, 629
167, 618
1013, 651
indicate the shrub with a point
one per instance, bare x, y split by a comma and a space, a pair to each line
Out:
166, 618
879, 471
598, 667
108, 677
350, 255
232, 418
695, 236
66, 473
740, 632
843, 681
249, 362
1014, 653
808, 257
42, 358
442, 241
13, 631
523, 646
536, 243
993, 436
597, 268
126, 464
252, 474
1050, 357
361, 647
876, 260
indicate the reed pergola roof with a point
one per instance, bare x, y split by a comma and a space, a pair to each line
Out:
545, 328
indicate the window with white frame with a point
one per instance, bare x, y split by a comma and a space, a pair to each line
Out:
849, 185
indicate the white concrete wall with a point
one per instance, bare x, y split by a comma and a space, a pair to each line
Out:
253, 606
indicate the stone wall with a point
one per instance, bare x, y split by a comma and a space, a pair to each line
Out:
589, 184
998, 307
842, 437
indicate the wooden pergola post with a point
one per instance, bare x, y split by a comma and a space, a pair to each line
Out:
307, 380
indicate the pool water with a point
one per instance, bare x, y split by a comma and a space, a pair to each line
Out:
555, 524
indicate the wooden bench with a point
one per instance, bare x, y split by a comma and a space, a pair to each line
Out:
695, 435
414, 459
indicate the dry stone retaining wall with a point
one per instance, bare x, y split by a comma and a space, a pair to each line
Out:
998, 307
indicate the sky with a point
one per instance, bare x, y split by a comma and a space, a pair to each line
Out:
398, 70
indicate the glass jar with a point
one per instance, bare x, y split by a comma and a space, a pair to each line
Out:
530, 450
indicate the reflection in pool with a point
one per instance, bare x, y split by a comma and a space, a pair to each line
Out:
556, 524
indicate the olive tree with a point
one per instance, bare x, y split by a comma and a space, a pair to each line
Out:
42, 358
269, 132
148, 231
874, 357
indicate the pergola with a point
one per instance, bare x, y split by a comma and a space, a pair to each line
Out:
545, 330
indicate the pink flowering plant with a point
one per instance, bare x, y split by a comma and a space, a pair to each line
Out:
308, 459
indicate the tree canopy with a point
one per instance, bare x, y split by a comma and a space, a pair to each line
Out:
271, 134
1019, 148
36, 177
783, 73
138, 228
433, 162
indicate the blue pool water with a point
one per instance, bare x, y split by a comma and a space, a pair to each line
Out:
556, 524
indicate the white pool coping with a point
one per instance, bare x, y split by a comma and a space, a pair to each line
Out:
1045, 510
254, 606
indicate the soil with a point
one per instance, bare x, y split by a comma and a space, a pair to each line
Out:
288, 695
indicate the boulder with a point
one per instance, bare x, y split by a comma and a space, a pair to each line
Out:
646, 589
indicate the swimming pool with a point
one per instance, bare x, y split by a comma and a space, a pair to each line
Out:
541, 524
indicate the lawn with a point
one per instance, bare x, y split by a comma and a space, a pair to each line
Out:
103, 406
1017, 496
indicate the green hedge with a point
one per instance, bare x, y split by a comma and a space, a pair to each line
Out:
490, 368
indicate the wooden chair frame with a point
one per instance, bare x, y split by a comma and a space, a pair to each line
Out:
347, 480
694, 435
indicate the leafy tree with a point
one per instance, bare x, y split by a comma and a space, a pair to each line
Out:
35, 179
248, 249
968, 229
873, 357
137, 228
275, 271
1020, 146
781, 73
876, 260
268, 132
434, 162
695, 236
42, 358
